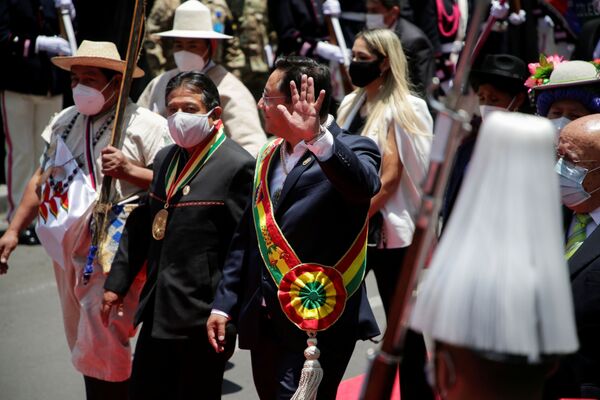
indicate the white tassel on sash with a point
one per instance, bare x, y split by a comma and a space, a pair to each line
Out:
312, 373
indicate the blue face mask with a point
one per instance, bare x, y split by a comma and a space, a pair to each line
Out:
571, 182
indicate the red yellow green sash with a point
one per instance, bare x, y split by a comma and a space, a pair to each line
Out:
312, 296
197, 159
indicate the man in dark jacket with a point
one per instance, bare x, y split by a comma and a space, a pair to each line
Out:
200, 188
416, 45
578, 375
311, 199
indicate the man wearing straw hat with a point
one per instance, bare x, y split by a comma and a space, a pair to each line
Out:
61, 194
194, 43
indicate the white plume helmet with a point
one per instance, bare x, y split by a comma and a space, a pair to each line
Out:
498, 281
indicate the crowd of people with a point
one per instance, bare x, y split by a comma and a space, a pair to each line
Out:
271, 160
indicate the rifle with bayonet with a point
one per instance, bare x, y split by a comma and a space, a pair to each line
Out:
451, 125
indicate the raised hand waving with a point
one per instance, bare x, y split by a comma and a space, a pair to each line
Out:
304, 119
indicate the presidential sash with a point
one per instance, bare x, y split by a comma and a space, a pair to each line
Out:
311, 295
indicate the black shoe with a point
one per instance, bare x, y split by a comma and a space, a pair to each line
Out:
28, 237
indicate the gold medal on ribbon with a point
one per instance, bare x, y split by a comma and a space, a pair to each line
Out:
159, 225
176, 181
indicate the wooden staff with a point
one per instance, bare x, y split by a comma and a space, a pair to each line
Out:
105, 202
452, 123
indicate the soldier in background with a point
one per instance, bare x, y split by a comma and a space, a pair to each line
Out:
249, 54
195, 40
159, 55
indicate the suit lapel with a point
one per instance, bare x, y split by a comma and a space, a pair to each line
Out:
302, 165
588, 251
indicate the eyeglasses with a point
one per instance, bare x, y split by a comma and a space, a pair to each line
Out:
268, 100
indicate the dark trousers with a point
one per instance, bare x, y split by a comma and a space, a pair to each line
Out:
178, 369
386, 264
96, 389
276, 368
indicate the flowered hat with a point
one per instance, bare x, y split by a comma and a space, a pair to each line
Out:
554, 79
553, 72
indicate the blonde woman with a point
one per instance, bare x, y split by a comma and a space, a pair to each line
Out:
384, 109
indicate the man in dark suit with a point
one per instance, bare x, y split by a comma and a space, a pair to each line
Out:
416, 45
578, 375
319, 185
200, 188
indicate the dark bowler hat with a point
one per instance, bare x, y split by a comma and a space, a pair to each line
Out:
496, 66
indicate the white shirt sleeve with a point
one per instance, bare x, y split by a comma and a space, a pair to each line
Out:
322, 146
221, 313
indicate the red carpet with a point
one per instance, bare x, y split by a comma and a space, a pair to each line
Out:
350, 389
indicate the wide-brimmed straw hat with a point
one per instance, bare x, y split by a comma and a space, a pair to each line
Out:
193, 21
571, 73
96, 54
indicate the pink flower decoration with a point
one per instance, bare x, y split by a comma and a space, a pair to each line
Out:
532, 67
555, 59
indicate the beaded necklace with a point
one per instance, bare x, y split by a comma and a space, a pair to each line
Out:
61, 186
98, 134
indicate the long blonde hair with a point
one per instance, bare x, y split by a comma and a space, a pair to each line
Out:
394, 93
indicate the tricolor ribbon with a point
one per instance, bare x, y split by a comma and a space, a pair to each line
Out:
312, 296
197, 160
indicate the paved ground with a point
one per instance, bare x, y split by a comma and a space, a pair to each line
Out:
34, 359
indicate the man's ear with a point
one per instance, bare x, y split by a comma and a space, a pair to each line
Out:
395, 12
216, 115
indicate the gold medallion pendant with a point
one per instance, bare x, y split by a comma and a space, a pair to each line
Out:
159, 225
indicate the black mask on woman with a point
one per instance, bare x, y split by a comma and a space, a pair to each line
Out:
364, 72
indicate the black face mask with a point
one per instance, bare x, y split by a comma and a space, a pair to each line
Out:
364, 72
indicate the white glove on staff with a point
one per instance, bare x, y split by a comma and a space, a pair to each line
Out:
499, 10
332, 8
329, 52
66, 4
517, 18
52, 45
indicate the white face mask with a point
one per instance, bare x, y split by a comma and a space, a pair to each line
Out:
89, 101
375, 21
189, 130
485, 111
560, 123
571, 179
188, 61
